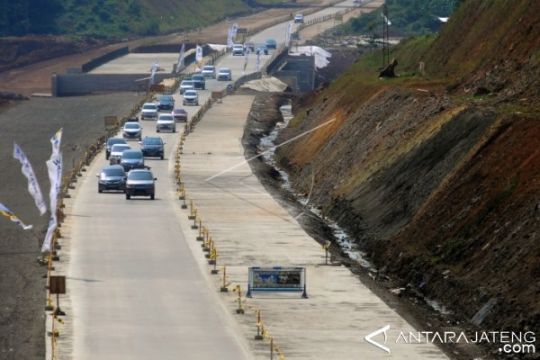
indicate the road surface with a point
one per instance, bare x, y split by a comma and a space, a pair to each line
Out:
135, 289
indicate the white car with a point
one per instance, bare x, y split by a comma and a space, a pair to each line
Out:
299, 18
209, 71
224, 74
116, 153
186, 85
166, 122
149, 111
238, 49
191, 97
132, 130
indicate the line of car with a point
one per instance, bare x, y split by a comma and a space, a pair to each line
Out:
127, 171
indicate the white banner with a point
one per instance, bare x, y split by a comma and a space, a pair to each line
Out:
230, 41
234, 30
258, 63
198, 54
288, 34
56, 141
181, 56
33, 185
54, 168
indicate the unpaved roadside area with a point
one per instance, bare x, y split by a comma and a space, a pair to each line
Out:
31, 124
250, 228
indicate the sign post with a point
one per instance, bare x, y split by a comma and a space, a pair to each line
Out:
57, 285
277, 279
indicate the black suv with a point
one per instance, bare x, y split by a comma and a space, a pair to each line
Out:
199, 82
140, 183
165, 102
153, 146
111, 178
110, 142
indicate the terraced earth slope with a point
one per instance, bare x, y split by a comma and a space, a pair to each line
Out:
437, 172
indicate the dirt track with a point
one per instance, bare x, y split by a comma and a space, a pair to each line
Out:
30, 124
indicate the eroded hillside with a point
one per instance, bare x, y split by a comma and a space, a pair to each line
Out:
437, 172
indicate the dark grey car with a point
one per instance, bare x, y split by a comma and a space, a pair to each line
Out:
140, 183
111, 177
132, 159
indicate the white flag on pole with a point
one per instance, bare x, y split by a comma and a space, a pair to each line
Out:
388, 22
181, 56
230, 38
258, 62
234, 30
54, 168
198, 54
33, 185
288, 34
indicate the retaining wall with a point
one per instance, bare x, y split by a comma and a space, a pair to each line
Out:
82, 84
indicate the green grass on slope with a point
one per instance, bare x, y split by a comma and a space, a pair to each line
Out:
408, 17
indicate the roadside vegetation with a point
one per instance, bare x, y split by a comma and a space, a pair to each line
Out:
113, 18
408, 17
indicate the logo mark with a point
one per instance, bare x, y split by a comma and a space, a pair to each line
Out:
383, 330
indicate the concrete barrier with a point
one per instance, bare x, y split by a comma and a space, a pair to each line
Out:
82, 84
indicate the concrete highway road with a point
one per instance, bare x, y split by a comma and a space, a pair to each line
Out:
135, 290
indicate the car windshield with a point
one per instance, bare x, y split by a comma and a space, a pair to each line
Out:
132, 126
132, 155
208, 68
224, 71
198, 77
166, 117
120, 148
187, 83
191, 93
179, 111
113, 171
113, 141
152, 141
150, 107
165, 98
140, 175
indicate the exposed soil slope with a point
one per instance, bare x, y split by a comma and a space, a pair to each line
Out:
438, 174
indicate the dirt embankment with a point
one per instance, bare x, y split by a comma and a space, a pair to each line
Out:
440, 187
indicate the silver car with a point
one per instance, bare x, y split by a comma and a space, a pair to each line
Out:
186, 85
209, 71
116, 153
149, 111
191, 97
224, 74
166, 122
132, 130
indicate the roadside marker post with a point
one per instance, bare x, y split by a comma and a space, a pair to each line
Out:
224, 278
215, 270
195, 220
240, 309
326, 248
192, 211
259, 336
202, 230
